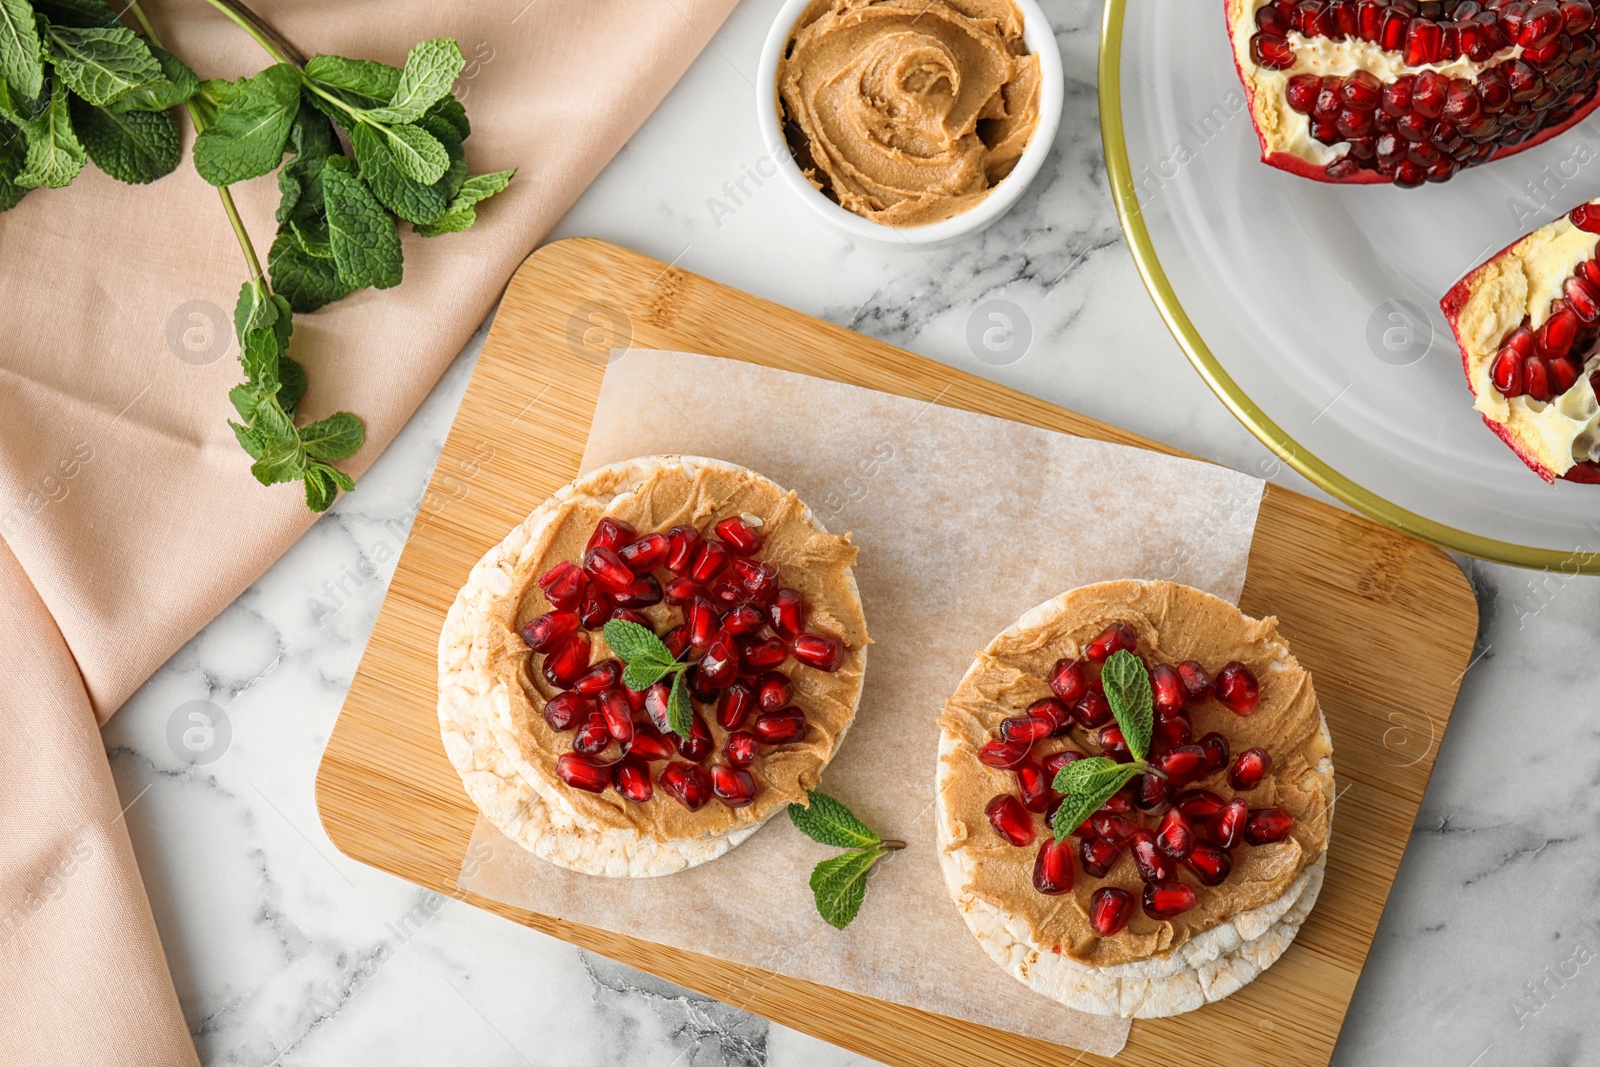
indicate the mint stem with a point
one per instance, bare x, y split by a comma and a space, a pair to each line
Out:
892, 845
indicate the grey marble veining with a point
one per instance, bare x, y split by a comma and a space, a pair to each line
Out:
285, 952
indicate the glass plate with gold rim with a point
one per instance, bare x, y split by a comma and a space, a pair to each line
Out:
1312, 310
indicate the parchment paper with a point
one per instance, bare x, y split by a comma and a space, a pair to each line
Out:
964, 522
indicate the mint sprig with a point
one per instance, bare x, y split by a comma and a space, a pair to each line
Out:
1088, 783
646, 660
839, 884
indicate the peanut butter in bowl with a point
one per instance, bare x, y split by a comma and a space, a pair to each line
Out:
908, 112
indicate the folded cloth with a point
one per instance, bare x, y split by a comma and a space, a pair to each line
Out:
128, 512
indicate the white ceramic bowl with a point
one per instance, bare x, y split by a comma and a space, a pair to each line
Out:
1041, 41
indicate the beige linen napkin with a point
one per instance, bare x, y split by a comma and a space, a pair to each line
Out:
128, 511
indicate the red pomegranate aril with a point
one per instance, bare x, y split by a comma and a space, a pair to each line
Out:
1118, 803
709, 561
739, 535
1151, 794
1093, 710
1577, 15
765, 654
583, 772
633, 779
610, 533
720, 665
1182, 765
568, 662
1583, 299
1196, 682
1536, 379
683, 544
781, 727
1166, 689
1118, 637
1362, 90
592, 736
645, 554
1424, 40
699, 744
1248, 770
1025, 729
787, 613
1227, 825
1170, 733
1540, 26
1112, 827
1068, 680
734, 786
773, 690
607, 674
742, 620
1555, 337
1098, 856
735, 705
1369, 18
563, 585
1237, 689
606, 569
1003, 753
1010, 820
1052, 870
1110, 909
1113, 745
1175, 836
565, 710
1168, 900
686, 783
677, 640
758, 580
1035, 787
727, 592
1215, 746
1586, 217
1053, 763
595, 607
1152, 864
680, 592
618, 715
1506, 372
1197, 805
550, 629
656, 702
1563, 375
818, 650
740, 748
1266, 825
1209, 864
704, 622
630, 615
1273, 53
650, 744
1054, 712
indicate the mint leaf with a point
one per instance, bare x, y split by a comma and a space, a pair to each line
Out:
335, 437
632, 643
320, 490
176, 84
417, 153
292, 383
1127, 685
281, 461
258, 353
21, 51
1086, 784
830, 822
12, 150
366, 244
411, 200
253, 118
101, 64
840, 885
305, 280
133, 146
252, 440
454, 112
87, 14
54, 155
431, 68
461, 213
360, 82
680, 713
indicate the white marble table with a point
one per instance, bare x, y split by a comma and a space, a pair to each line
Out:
286, 952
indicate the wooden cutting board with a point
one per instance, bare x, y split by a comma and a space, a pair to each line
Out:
1353, 597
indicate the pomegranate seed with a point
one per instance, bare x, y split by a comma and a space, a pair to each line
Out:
1210, 864
1093, 710
1540, 26
683, 544
1423, 41
759, 580
592, 736
734, 786
1582, 299
1301, 92
630, 615
1168, 900
1196, 682
709, 561
687, 784
1151, 794
606, 569
1112, 827
1152, 864
818, 650
677, 640
680, 592
1227, 825
703, 621
1555, 337
1586, 217
1215, 746
740, 748
1052, 870
595, 607
618, 715
743, 620
1395, 25
1054, 712
1109, 910
1025, 729
633, 780
1506, 372
1035, 786
1369, 16
781, 727
773, 690
1068, 680
1248, 770
1563, 375
1536, 377
720, 665
1055, 761
1118, 803
1577, 15
1098, 856
735, 703
645, 554
765, 654
1113, 745
566, 710
1182, 765
606, 674
787, 613
699, 744
545, 632
1237, 689
650, 744
1166, 689
1266, 825
610, 533
1175, 836
1010, 820
1003, 753
644, 592
1118, 637
740, 536
1170, 733
1362, 91
563, 585
583, 772
568, 662
656, 702
1197, 805
1428, 94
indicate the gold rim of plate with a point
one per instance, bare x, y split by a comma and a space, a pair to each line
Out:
1296, 455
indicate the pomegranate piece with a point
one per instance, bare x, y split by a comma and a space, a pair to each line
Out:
565, 710
787, 613
740, 748
1112, 827
1215, 746
607, 674
1092, 710
1196, 682
1118, 803
734, 786
643, 592
1168, 900
657, 701
1010, 820
703, 621
1113, 745
595, 607
686, 783
583, 772
1151, 794
758, 580
1182, 765
709, 561
683, 545
1055, 761
735, 704
592, 736
742, 621
1167, 690
1118, 637
645, 554
1025, 729
1227, 825
1210, 864
1098, 856
699, 745
633, 779
773, 690
1171, 733
618, 716
782, 727
606, 569
1248, 770
765, 654
1152, 864
563, 585
610, 533
681, 592
739, 535
1586, 217
1054, 712
550, 629
630, 615
1068, 681
720, 665
677, 640
650, 744
1052, 869
1266, 825
568, 662
818, 650
1197, 805
1175, 836
1034, 785
1110, 909
1003, 753
1237, 689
